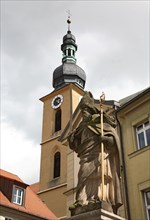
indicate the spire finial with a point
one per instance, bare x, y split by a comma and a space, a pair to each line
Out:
69, 20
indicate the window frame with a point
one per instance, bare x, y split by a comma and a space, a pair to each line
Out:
147, 206
16, 196
143, 130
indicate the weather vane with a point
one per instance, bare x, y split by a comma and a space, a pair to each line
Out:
68, 20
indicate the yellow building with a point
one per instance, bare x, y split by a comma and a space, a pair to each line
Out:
134, 118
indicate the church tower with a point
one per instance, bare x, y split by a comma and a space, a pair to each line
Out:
58, 107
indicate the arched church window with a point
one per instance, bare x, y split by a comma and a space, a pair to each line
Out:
58, 120
57, 164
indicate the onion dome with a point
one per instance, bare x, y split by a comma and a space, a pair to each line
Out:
69, 72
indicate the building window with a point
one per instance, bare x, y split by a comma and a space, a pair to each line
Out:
147, 203
58, 120
17, 196
57, 164
143, 135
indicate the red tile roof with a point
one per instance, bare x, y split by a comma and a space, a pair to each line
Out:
33, 205
10, 176
35, 187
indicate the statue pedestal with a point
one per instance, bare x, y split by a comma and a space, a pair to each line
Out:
99, 214
93, 211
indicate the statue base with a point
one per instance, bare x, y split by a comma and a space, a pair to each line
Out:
78, 209
99, 214
94, 211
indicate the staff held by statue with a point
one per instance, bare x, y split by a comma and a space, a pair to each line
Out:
102, 99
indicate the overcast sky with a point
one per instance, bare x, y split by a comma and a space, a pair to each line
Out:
113, 49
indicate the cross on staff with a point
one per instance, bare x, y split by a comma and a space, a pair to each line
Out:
69, 14
69, 20
102, 99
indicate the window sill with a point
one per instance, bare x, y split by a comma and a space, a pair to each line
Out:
139, 151
15, 203
55, 134
54, 182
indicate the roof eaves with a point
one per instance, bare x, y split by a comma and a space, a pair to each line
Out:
133, 98
26, 212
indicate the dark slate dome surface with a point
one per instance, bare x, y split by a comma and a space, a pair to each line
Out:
69, 69
68, 73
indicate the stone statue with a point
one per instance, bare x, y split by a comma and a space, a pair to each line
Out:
86, 140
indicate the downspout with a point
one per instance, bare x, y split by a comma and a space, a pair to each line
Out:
124, 169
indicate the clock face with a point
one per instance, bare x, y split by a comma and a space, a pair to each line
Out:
57, 100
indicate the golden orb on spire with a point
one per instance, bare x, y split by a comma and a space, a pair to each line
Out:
69, 19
